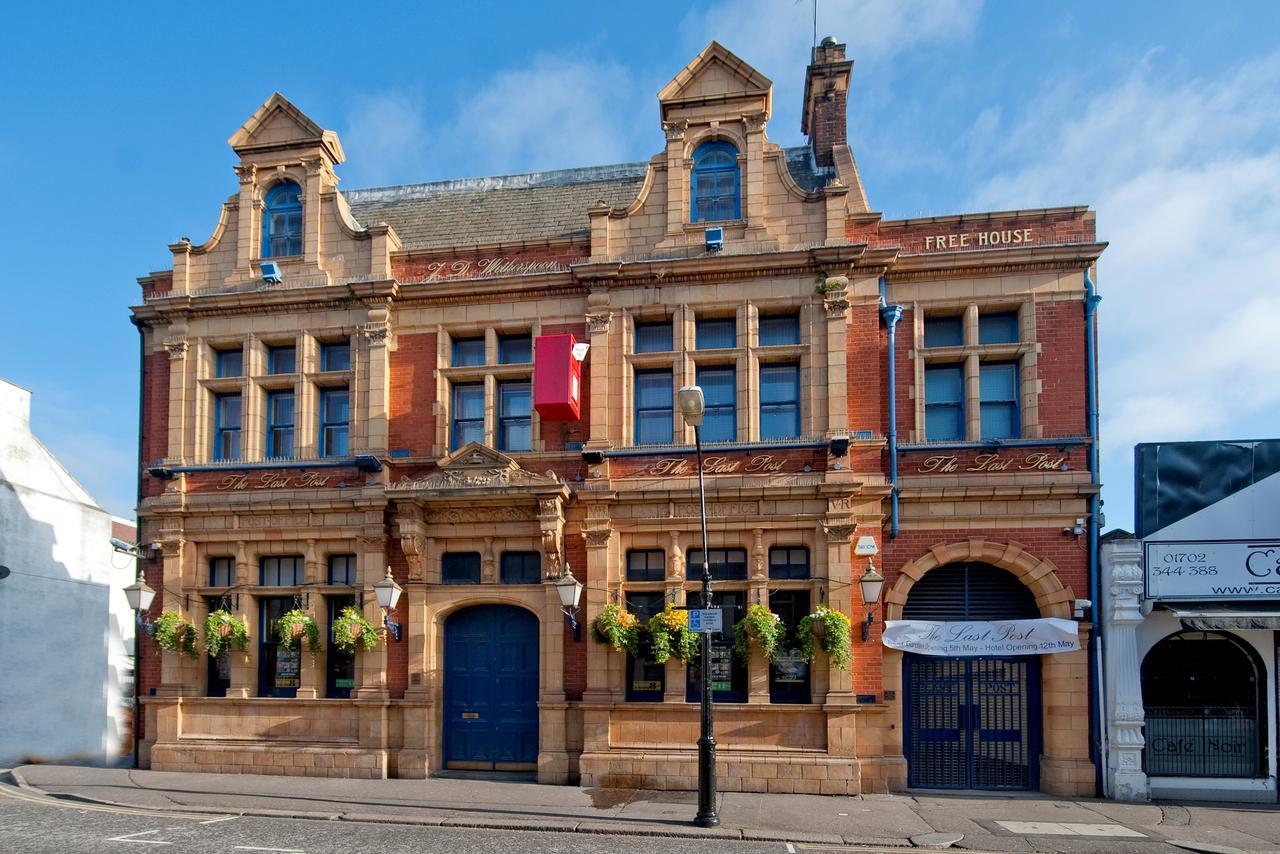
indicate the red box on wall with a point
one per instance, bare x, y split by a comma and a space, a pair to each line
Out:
557, 378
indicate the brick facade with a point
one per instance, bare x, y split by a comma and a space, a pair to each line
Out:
394, 279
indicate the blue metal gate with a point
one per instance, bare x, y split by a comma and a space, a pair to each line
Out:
491, 689
972, 723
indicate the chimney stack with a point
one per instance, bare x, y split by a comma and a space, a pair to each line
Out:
826, 96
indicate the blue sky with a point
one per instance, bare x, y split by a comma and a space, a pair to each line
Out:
1164, 116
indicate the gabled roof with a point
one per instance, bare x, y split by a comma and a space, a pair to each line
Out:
279, 124
715, 74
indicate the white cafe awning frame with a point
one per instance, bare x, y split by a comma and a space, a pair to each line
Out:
1209, 618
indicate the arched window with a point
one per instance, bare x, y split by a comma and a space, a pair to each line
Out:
970, 591
282, 221
714, 192
1203, 693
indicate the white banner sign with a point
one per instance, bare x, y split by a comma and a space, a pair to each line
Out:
1226, 569
994, 637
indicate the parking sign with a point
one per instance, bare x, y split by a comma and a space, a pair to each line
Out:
706, 620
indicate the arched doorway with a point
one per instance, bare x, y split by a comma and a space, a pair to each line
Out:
1204, 700
491, 689
971, 722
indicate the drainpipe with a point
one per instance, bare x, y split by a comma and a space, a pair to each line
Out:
890, 315
136, 723
1098, 718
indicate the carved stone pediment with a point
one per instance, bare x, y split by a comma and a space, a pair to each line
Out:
476, 467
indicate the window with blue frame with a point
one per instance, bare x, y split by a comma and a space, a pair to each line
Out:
335, 417
646, 678
515, 349
780, 401
998, 400
282, 221
468, 414
468, 352
728, 666
226, 427
646, 565
725, 564
280, 571
719, 392
342, 569
278, 667
336, 356
788, 563
653, 407
714, 183
229, 363
282, 360
944, 403
280, 424
998, 328
946, 331
515, 430
521, 568
653, 337
222, 571
460, 568
716, 333
777, 330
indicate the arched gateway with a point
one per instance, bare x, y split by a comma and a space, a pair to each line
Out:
491, 689
972, 722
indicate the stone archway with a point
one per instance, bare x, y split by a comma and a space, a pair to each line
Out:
1041, 576
1065, 766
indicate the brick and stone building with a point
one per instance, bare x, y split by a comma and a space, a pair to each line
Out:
371, 406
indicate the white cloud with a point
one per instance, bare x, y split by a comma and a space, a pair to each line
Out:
1185, 176
386, 137
554, 113
776, 36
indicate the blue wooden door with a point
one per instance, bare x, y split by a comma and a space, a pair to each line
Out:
491, 689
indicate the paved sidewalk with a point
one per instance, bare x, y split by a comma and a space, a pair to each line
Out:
986, 823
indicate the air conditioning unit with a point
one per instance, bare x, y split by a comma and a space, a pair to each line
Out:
270, 272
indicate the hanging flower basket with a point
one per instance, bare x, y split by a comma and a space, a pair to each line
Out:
173, 633
351, 631
295, 624
830, 629
669, 635
618, 628
222, 630
763, 625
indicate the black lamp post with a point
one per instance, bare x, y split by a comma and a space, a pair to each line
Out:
139, 596
692, 408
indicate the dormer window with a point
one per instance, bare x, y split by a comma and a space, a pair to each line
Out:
282, 221
714, 185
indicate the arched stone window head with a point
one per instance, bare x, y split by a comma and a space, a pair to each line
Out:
714, 183
282, 221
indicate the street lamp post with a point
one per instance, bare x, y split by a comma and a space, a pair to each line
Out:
692, 407
139, 596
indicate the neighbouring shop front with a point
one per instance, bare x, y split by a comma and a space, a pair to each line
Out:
1193, 626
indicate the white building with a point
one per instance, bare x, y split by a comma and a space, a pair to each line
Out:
66, 631
1192, 626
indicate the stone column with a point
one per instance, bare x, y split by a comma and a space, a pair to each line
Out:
602, 395
371, 408
838, 531
372, 665
836, 391
1122, 571
677, 169
597, 594
172, 664
248, 220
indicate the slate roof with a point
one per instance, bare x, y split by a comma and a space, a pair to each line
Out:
506, 208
